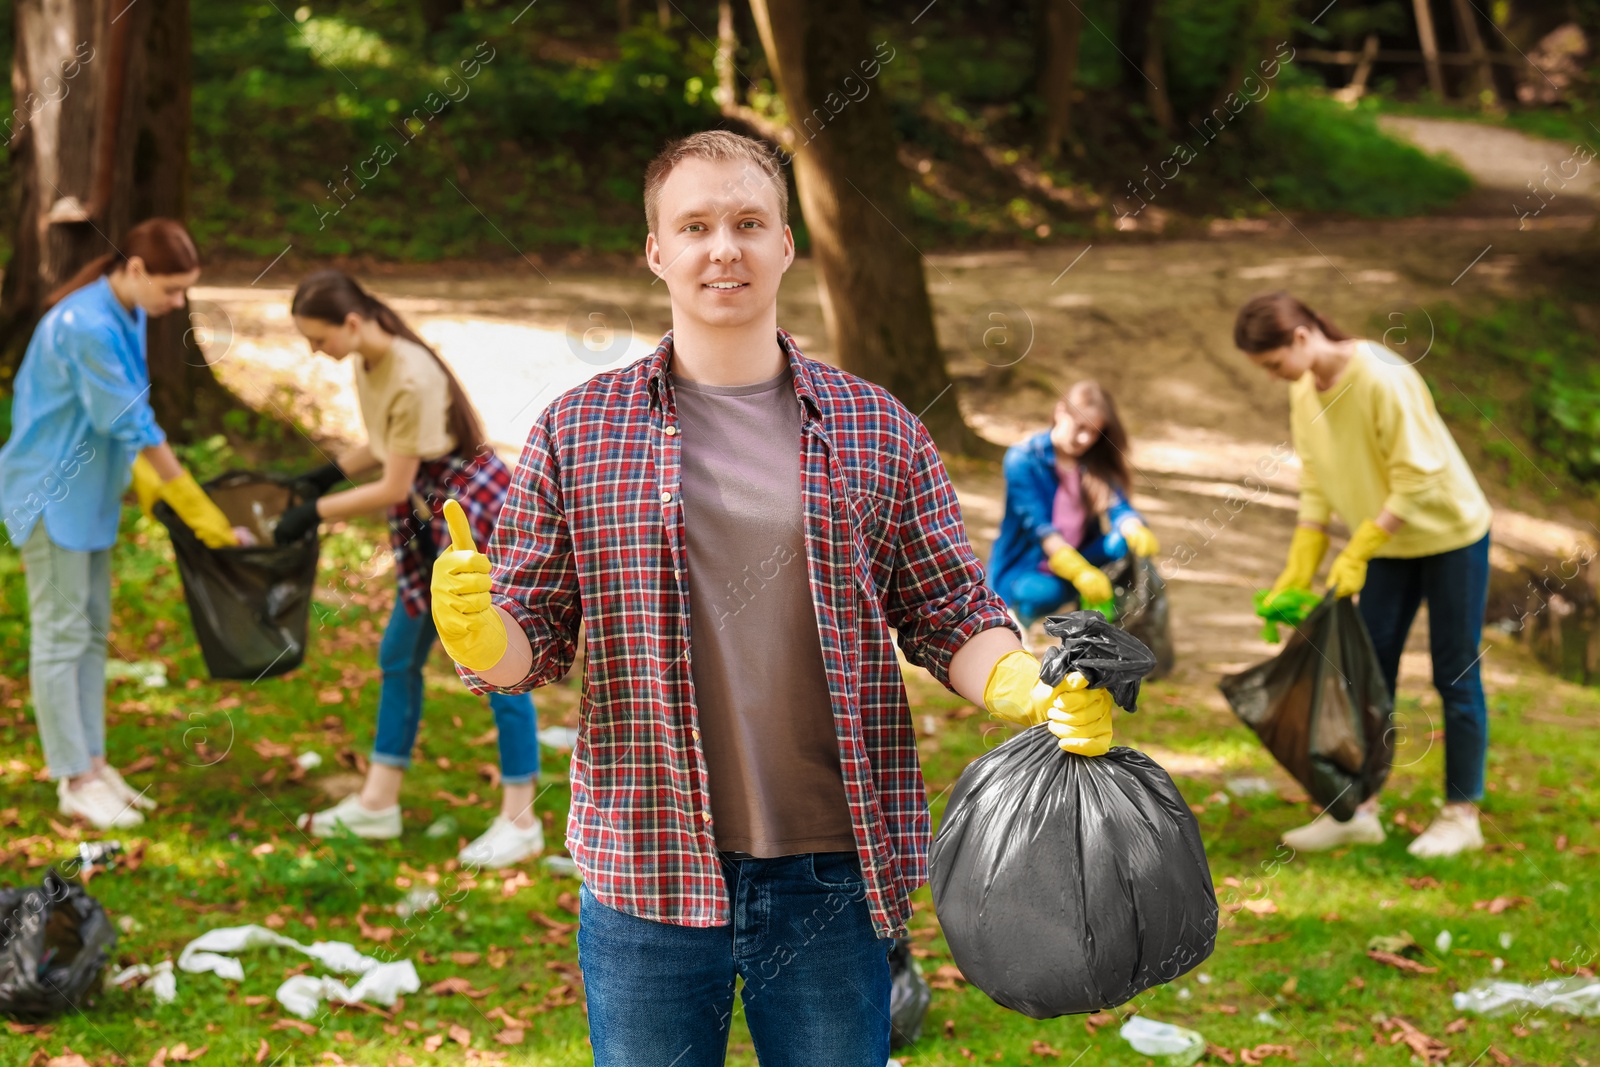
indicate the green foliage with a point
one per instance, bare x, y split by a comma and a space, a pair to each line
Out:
1311, 153
1526, 372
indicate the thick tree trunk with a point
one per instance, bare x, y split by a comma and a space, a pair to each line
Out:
1058, 70
1144, 62
852, 192
62, 140
1430, 46
1472, 40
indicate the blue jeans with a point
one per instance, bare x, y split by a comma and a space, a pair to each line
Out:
1035, 594
1456, 587
816, 975
402, 654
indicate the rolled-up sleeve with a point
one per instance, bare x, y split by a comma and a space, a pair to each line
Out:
116, 401
533, 577
938, 599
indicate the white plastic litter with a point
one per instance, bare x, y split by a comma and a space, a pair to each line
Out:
150, 673
417, 901
1249, 787
443, 826
163, 984
1575, 996
1497, 965
560, 738
380, 985
1442, 942
308, 760
1266, 1018
1506, 937
1179, 1046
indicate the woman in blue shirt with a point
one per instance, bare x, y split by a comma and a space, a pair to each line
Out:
1067, 511
81, 419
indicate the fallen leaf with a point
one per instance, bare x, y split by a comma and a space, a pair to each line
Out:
380, 934
1264, 906
1427, 881
1097, 1020
1427, 1049
158, 1060
1039, 1048
262, 1051
457, 984
460, 1035
139, 766
568, 901
1456, 1026
270, 750
1561, 842
1499, 1057
1576, 969
293, 1024
1520, 1030
489, 773
511, 1035
1500, 904
498, 957
1223, 1054
331, 695
66, 1059
255, 1000
1265, 939
455, 801
1400, 962
181, 1052
431, 1044
41, 1030
465, 959
947, 976
515, 881
1262, 1053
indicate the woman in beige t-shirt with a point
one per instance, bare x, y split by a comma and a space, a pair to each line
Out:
425, 436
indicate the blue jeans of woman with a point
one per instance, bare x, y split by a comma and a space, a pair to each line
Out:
1035, 594
407, 640
1456, 586
816, 975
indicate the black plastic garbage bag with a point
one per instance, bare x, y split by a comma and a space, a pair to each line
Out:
1070, 883
1108, 656
55, 941
250, 606
1139, 597
1322, 709
909, 996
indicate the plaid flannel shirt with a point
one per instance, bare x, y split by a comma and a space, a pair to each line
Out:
417, 530
593, 527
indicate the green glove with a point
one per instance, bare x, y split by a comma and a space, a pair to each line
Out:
1348, 573
1290, 607
185, 497
1091, 582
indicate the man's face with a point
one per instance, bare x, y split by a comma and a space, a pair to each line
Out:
719, 243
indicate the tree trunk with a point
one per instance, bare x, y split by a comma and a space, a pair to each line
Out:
435, 13
1058, 70
1472, 40
1144, 66
64, 66
1430, 47
852, 192
121, 156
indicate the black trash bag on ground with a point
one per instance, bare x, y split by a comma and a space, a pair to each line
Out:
55, 941
1139, 596
909, 996
1108, 656
250, 606
1322, 709
1068, 883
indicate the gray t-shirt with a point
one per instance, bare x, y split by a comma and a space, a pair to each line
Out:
766, 717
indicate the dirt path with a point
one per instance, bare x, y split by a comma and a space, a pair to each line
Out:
1152, 321
1504, 159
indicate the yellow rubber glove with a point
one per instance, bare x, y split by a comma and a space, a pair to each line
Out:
1080, 717
1349, 570
184, 496
469, 627
1090, 581
1306, 550
1141, 542
146, 484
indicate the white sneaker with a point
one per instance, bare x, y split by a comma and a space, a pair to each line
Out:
99, 803
503, 844
139, 799
1454, 830
1325, 832
349, 815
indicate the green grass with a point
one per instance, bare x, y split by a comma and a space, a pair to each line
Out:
205, 862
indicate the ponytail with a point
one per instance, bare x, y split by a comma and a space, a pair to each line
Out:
163, 245
1268, 322
332, 295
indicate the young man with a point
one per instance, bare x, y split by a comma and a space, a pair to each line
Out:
739, 527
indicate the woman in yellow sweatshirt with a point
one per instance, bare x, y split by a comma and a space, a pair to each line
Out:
1374, 451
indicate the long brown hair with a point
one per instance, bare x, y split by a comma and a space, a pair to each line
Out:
163, 244
1268, 321
331, 295
1105, 463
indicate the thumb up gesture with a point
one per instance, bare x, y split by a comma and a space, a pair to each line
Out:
469, 627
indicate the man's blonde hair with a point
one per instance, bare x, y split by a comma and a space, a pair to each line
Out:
718, 146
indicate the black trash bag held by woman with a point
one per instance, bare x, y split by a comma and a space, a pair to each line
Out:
1068, 883
250, 606
1322, 709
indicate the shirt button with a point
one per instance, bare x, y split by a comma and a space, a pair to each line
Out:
672, 431
705, 816
666, 498
676, 573
696, 735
